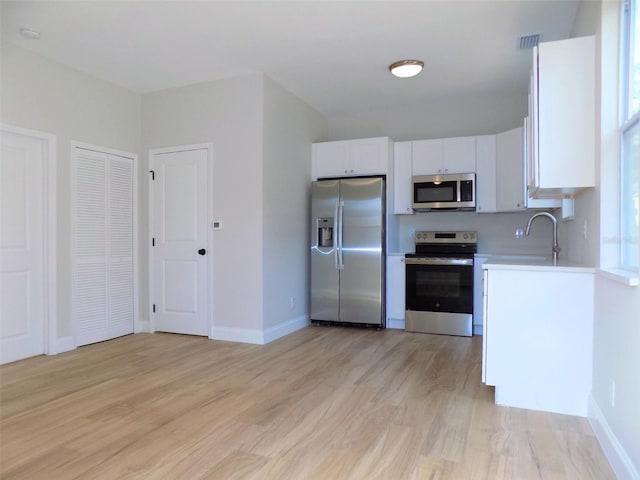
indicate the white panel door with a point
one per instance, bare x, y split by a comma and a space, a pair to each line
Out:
21, 239
180, 238
103, 285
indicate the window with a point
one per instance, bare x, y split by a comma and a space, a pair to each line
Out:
630, 138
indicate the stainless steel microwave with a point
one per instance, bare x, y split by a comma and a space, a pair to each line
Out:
455, 191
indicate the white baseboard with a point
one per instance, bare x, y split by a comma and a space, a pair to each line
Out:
242, 335
285, 328
64, 344
259, 337
396, 323
622, 465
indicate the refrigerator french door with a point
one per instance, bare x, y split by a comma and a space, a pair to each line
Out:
347, 252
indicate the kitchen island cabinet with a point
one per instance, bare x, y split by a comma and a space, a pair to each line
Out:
538, 334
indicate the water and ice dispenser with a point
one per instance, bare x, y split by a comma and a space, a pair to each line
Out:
324, 232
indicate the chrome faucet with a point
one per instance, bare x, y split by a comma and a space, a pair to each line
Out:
555, 248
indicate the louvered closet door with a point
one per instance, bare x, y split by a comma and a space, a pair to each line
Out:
103, 268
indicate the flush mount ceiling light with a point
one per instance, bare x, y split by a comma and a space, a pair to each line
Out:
406, 68
30, 33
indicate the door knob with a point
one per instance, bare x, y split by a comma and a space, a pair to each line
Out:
202, 251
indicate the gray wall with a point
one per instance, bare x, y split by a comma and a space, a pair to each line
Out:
616, 354
227, 113
290, 126
39, 94
473, 115
261, 137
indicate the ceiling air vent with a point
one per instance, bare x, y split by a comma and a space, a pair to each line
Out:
529, 41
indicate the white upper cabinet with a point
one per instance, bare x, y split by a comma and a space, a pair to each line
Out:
344, 158
428, 156
486, 174
444, 155
459, 155
510, 195
562, 116
402, 177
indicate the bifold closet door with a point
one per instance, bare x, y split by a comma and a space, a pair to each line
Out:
103, 302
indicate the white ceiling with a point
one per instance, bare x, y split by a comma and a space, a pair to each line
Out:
332, 54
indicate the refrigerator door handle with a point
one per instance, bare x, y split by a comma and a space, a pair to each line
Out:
336, 237
339, 239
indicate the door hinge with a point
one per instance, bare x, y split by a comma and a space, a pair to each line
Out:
154, 308
153, 174
153, 242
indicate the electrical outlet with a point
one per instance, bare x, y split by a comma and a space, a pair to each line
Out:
612, 392
292, 303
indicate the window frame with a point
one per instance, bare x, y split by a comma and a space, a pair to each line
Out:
628, 122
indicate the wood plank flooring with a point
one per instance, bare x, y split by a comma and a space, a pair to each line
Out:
322, 403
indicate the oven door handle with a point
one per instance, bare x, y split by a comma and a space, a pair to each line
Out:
438, 261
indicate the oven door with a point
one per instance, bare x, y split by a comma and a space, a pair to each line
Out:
439, 284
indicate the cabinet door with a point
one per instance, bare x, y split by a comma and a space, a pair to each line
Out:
486, 174
368, 156
543, 203
533, 179
510, 171
485, 331
428, 156
478, 292
395, 290
402, 178
459, 155
331, 158
566, 116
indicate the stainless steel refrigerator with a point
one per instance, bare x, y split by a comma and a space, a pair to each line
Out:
348, 250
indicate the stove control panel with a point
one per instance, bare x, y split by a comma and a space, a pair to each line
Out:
446, 237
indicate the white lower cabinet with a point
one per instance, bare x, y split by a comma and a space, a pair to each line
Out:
478, 292
395, 291
538, 337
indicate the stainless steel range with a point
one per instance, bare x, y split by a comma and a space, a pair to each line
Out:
439, 283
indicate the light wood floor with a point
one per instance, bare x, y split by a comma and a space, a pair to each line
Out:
322, 403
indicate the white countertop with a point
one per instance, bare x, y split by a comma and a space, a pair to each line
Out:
533, 263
